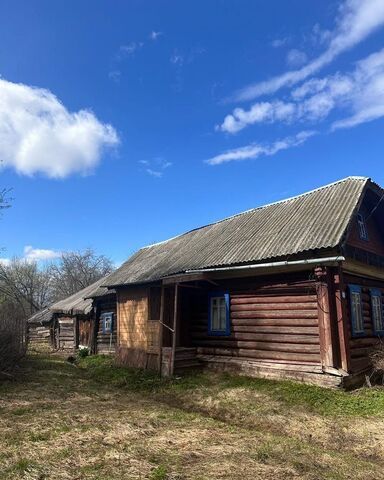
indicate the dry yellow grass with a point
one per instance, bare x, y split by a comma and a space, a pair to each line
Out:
58, 421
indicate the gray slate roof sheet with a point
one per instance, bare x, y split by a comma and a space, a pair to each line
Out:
311, 221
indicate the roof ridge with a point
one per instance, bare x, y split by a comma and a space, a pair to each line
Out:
294, 197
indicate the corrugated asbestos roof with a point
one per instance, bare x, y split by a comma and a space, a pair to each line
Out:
311, 221
43, 316
80, 302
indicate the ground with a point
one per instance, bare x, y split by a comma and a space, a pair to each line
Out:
94, 420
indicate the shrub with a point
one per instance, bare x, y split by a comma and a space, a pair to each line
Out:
377, 359
83, 351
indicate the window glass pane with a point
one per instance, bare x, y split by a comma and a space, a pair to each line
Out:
377, 313
357, 312
218, 314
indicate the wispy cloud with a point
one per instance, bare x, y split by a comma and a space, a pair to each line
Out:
39, 135
115, 75
296, 58
128, 50
357, 19
357, 95
177, 58
155, 167
280, 42
256, 150
155, 35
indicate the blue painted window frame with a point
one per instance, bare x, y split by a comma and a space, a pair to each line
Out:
375, 292
103, 318
227, 331
356, 289
362, 220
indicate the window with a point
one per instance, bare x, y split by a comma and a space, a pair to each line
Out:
107, 322
377, 311
356, 311
218, 322
363, 232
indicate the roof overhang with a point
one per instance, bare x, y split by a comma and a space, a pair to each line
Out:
235, 271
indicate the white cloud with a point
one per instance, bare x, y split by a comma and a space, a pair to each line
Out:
155, 167
280, 42
38, 254
155, 35
128, 50
296, 58
259, 113
357, 20
115, 75
39, 135
255, 150
359, 94
34, 255
177, 59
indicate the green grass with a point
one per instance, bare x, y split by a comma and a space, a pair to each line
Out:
99, 421
361, 402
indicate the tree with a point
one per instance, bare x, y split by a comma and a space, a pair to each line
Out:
77, 270
23, 284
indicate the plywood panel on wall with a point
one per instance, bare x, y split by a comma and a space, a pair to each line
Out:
133, 318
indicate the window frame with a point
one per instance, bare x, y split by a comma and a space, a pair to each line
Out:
103, 317
376, 292
227, 331
353, 289
361, 223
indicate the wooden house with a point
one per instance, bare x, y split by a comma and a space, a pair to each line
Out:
293, 289
86, 318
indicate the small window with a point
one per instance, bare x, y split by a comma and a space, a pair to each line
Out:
363, 232
377, 311
356, 311
107, 322
218, 323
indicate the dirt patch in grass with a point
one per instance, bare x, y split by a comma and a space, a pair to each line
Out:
98, 421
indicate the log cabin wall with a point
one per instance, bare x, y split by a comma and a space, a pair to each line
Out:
272, 320
137, 334
67, 333
361, 347
39, 337
106, 342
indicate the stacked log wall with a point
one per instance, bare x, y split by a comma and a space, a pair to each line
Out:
272, 323
106, 342
361, 347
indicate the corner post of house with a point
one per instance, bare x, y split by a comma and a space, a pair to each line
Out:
174, 334
327, 353
341, 316
95, 326
161, 328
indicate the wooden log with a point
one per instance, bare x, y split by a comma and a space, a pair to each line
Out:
268, 337
237, 300
275, 329
276, 314
312, 322
259, 354
260, 307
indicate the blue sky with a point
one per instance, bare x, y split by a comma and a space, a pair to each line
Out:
124, 123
